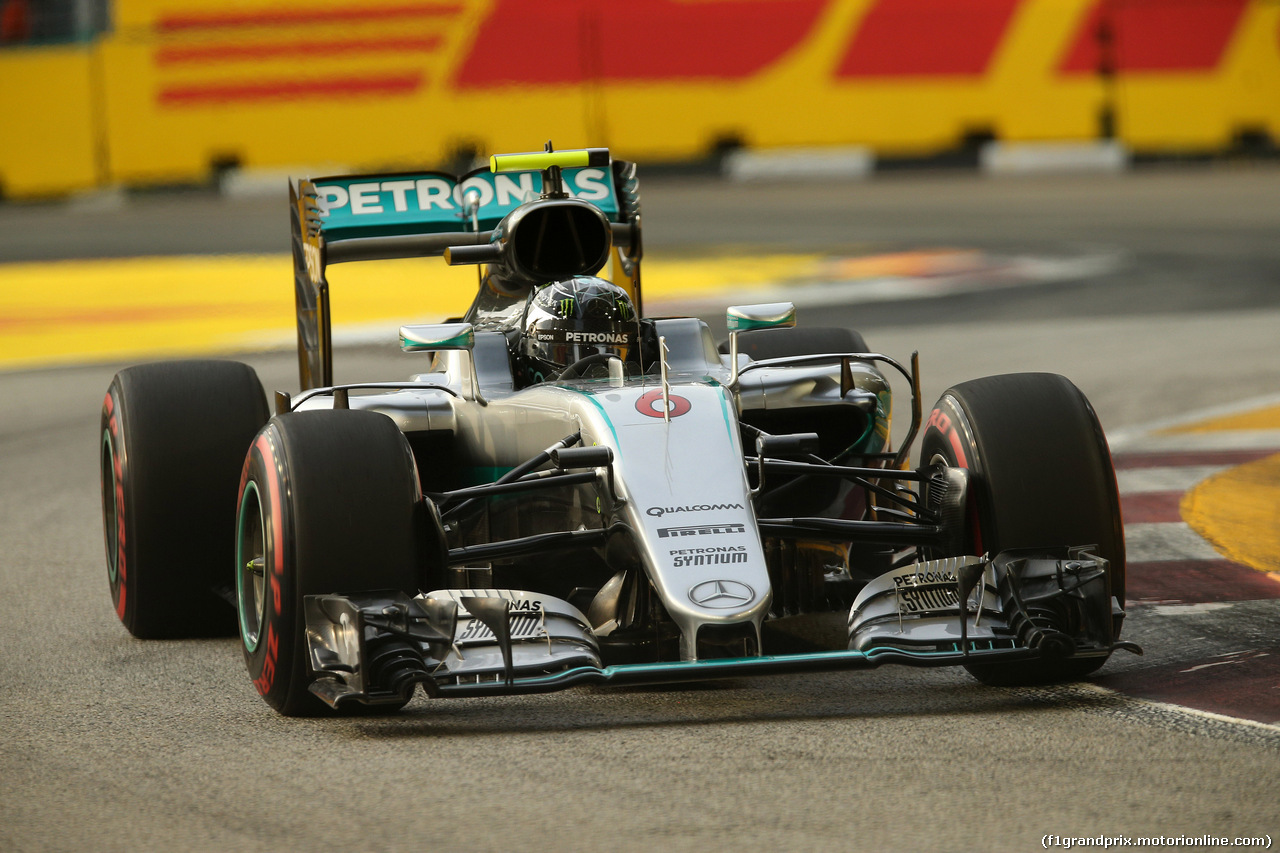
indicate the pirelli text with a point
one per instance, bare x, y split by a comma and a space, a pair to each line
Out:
1106, 842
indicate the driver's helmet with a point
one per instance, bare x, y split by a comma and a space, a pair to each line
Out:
578, 317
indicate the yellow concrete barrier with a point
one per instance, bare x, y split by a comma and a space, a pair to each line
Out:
48, 133
181, 85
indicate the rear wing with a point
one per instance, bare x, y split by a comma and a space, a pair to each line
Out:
421, 214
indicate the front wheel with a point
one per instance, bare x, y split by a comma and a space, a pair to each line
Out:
1040, 476
329, 503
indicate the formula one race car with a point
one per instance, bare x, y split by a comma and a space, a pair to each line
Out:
569, 492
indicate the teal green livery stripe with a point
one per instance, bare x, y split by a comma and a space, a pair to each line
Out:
481, 475
603, 413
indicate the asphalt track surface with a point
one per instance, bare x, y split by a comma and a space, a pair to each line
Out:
116, 744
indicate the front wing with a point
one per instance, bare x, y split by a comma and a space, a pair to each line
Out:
374, 648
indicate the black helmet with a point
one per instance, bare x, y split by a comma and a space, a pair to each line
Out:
571, 319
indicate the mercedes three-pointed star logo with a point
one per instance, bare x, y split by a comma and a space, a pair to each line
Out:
721, 594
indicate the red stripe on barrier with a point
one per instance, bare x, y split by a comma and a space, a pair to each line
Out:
1153, 35
642, 40
290, 90
296, 49
902, 38
301, 16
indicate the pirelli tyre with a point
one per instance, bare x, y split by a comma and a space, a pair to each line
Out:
173, 437
1040, 475
329, 502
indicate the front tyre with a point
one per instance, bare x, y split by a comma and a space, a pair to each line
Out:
329, 503
1040, 476
173, 438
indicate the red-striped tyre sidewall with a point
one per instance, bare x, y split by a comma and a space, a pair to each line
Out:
114, 474
276, 663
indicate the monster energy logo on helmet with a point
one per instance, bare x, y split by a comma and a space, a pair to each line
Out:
575, 318
585, 297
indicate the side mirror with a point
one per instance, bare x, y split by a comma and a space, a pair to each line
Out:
746, 318
446, 336
437, 336
768, 315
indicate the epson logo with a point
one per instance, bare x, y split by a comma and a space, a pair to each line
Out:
659, 511
700, 530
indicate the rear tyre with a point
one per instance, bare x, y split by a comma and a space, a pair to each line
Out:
329, 503
760, 344
1040, 475
172, 443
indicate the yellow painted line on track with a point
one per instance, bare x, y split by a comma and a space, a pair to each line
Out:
1238, 511
1264, 418
145, 308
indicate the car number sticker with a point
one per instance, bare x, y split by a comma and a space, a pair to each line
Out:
651, 404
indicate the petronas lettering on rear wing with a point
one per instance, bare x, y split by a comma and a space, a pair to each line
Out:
434, 202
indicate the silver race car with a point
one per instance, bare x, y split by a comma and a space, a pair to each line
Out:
569, 492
